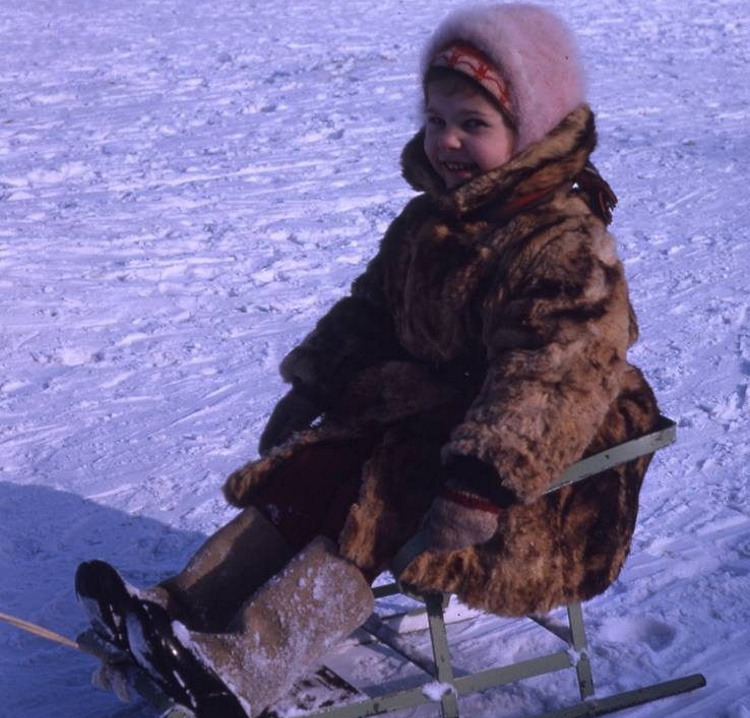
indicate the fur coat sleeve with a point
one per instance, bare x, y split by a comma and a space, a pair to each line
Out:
356, 333
556, 335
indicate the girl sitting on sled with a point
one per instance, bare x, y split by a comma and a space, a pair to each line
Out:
481, 352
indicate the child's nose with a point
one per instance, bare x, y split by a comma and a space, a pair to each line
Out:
449, 139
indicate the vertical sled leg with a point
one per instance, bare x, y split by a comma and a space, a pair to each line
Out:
441, 653
581, 647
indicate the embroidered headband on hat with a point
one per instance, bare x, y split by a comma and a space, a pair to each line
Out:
531, 49
469, 61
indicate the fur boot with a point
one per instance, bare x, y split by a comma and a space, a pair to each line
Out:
226, 570
315, 602
222, 574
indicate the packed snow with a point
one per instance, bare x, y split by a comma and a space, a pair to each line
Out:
185, 187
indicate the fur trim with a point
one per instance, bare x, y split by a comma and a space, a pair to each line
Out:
533, 50
569, 546
559, 159
511, 331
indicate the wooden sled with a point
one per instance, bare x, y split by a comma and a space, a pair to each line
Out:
325, 694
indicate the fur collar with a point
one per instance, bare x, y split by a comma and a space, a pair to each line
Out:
556, 159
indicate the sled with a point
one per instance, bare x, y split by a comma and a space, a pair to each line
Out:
325, 694
441, 684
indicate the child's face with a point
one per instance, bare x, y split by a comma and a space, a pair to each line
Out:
465, 134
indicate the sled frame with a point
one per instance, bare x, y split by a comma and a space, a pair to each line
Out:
440, 675
439, 669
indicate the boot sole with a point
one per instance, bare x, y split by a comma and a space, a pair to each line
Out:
105, 598
175, 668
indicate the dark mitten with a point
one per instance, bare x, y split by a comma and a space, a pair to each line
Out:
600, 196
294, 412
468, 508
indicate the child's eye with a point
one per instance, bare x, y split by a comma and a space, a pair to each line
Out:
474, 124
435, 121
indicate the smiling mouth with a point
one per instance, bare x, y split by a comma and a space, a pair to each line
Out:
459, 166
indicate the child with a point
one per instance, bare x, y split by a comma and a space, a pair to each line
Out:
482, 352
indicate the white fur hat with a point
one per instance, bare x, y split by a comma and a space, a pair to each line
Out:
533, 51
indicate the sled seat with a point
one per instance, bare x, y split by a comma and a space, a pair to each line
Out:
442, 686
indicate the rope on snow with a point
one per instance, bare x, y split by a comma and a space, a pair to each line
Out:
38, 630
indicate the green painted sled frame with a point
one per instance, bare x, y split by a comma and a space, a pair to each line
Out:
439, 671
576, 656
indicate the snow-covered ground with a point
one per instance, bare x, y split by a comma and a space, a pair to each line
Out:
185, 187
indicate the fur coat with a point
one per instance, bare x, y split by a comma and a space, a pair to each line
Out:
494, 322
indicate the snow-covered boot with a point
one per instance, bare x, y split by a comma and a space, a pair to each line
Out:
104, 597
226, 570
315, 602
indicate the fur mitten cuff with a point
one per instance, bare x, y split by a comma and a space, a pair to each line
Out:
468, 508
459, 518
293, 413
